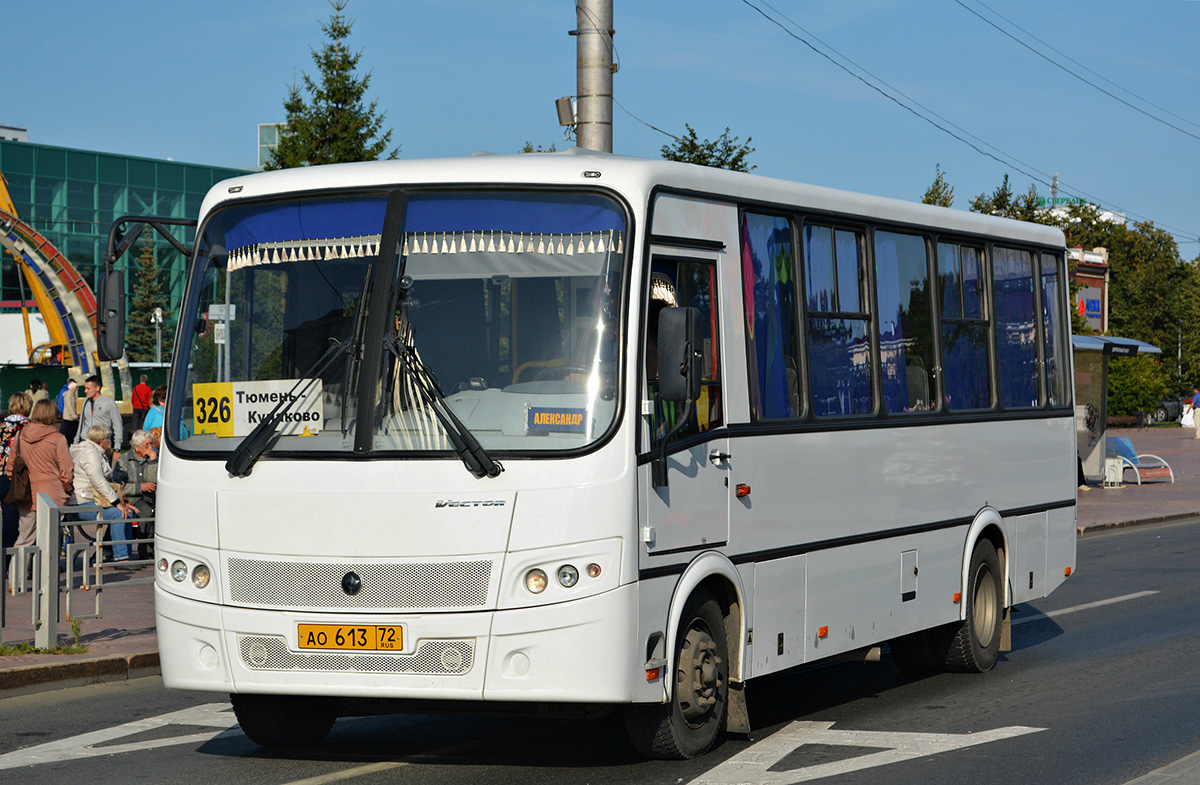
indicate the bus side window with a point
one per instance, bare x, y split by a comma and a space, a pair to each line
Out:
839, 344
772, 331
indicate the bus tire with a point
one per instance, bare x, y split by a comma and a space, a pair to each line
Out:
688, 724
283, 721
975, 645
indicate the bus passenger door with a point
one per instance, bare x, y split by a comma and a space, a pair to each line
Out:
692, 511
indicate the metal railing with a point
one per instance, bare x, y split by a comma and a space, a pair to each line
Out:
44, 582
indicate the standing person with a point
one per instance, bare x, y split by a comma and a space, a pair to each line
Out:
1195, 403
68, 408
141, 402
18, 416
38, 391
93, 485
99, 410
51, 470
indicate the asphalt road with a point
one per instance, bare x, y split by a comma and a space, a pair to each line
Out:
1102, 687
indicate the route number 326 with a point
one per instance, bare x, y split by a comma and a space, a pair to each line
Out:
213, 410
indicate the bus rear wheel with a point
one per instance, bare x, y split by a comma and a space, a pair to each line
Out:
283, 721
975, 645
969, 646
688, 724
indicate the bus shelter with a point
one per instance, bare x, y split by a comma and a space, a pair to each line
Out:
1091, 392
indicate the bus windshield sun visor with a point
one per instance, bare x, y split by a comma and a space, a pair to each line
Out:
256, 443
468, 448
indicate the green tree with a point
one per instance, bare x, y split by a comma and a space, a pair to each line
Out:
724, 152
940, 193
140, 341
1006, 204
334, 125
1136, 384
529, 148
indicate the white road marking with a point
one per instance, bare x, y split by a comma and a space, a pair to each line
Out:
752, 765
218, 716
1085, 607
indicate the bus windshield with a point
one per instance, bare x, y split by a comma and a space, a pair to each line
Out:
502, 308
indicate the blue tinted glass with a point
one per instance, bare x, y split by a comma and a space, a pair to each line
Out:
905, 323
768, 285
1055, 329
949, 279
972, 283
818, 253
1016, 341
848, 272
965, 366
840, 354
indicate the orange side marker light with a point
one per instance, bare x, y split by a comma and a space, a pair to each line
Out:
1067, 572
957, 597
743, 490
822, 632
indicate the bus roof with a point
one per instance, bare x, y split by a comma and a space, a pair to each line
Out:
633, 178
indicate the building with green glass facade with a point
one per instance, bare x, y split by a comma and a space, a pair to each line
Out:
73, 196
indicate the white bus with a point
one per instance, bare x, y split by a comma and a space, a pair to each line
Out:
578, 432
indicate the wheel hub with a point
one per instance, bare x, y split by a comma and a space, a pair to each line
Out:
698, 682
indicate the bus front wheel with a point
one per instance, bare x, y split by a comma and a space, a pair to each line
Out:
283, 721
688, 724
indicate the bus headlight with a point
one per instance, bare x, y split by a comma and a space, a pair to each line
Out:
201, 576
178, 571
568, 576
535, 581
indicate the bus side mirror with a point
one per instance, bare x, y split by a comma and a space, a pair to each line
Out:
680, 360
110, 316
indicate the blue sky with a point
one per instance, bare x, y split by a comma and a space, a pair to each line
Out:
191, 81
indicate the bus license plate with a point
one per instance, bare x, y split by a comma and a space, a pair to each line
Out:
343, 637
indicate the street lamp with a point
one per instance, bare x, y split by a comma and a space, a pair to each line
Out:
156, 320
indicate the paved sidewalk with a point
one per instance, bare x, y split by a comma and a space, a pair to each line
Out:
123, 643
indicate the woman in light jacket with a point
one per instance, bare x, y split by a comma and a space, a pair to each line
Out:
51, 470
93, 485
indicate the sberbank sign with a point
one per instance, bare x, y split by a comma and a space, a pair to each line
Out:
1059, 201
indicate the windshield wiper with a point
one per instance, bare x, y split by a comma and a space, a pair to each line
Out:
468, 448
254, 445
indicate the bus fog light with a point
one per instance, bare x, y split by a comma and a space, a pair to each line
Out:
162, 565
201, 576
178, 571
568, 576
535, 581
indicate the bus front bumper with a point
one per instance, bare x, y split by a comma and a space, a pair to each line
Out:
580, 652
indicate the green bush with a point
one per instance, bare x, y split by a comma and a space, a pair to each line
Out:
1136, 384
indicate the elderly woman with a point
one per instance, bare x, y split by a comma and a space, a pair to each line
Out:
19, 405
93, 485
51, 470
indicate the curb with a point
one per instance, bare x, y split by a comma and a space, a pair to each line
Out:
60, 675
1173, 518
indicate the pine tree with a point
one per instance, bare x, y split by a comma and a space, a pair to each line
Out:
147, 296
334, 125
940, 193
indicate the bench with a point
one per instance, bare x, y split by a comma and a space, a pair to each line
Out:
1144, 466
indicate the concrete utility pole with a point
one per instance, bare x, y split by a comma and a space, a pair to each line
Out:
594, 73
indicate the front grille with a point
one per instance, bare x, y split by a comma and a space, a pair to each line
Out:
311, 585
439, 658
